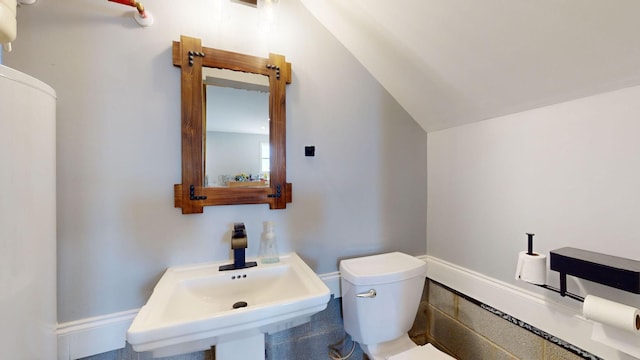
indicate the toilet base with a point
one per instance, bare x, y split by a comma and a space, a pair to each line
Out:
426, 352
403, 348
383, 351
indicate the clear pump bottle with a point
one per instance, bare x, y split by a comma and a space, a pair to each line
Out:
268, 252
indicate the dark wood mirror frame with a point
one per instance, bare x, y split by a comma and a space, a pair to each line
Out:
191, 196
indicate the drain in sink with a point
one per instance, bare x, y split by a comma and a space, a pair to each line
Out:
240, 304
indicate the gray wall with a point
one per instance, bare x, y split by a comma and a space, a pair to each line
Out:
567, 172
118, 147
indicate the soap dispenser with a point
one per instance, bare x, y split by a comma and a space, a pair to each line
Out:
268, 252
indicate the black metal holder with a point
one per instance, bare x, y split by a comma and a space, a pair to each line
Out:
278, 192
530, 243
613, 271
566, 293
192, 194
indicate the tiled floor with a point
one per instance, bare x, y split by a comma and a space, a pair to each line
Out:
127, 353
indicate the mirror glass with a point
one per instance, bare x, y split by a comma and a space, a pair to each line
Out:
237, 128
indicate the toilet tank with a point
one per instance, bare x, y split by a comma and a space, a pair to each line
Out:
397, 280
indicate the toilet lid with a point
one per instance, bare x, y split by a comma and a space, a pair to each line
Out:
426, 352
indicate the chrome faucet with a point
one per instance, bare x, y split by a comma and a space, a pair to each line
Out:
238, 244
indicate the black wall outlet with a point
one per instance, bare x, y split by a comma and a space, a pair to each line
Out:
309, 151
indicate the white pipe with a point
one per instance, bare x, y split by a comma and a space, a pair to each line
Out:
8, 26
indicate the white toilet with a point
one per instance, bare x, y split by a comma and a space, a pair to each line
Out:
380, 299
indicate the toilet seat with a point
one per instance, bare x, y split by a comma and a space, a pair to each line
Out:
426, 352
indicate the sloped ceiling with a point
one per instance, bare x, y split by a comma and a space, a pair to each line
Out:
452, 62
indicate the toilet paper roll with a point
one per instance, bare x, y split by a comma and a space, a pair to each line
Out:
532, 268
611, 313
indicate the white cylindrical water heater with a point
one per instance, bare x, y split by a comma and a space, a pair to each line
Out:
27, 217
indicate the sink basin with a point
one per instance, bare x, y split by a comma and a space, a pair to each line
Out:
195, 307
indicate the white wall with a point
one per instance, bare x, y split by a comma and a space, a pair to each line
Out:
119, 147
568, 173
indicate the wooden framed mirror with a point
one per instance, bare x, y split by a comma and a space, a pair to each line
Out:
199, 188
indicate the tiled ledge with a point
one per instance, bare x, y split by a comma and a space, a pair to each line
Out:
538, 313
470, 329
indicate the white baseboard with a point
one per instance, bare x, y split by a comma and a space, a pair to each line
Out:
99, 334
95, 335
332, 280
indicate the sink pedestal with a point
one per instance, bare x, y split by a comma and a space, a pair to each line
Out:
249, 348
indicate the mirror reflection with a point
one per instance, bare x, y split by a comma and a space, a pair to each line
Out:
237, 128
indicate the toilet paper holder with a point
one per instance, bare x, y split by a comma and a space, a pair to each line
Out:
613, 271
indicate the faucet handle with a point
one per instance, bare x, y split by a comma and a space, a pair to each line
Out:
239, 236
239, 231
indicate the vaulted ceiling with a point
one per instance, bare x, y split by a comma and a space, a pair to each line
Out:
452, 62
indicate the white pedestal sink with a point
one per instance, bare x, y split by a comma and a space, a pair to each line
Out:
195, 307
